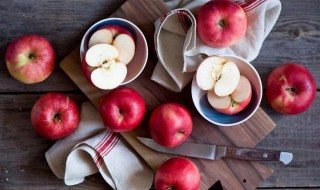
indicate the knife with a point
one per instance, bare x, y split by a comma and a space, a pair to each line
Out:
214, 152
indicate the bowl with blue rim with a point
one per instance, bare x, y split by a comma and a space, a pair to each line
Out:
205, 109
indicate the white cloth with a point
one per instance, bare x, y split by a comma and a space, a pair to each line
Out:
180, 50
91, 148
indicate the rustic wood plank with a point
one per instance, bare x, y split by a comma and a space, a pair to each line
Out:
298, 134
295, 38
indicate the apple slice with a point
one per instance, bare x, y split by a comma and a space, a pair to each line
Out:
235, 102
102, 36
117, 36
228, 79
218, 102
218, 74
243, 90
208, 71
108, 73
126, 47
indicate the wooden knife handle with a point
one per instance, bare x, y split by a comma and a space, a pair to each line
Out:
252, 154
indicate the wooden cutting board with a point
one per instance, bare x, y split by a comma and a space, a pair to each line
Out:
233, 174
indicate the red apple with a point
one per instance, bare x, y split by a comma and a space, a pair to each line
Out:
291, 88
55, 115
170, 124
234, 103
177, 173
221, 23
30, 58
122, 109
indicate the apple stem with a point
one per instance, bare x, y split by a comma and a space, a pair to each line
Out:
233, 103
171, 188
290, 89
57, 117
31, 56
221, 23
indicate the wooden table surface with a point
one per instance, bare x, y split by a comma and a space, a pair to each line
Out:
295, 38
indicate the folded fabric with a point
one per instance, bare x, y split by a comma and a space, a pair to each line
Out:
91, 149
180, 50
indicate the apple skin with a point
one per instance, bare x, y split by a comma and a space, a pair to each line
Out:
236, 107
122, 109
221, 23
177, 173
30, 59
87, 70
116, 30
170, 124
113, 29
290, 89
55, 115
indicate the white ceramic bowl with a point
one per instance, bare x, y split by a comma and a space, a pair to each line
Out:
138, 62
201, 103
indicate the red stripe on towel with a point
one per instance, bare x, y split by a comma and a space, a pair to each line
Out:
180, 16
256, 5
240, 2
248, 3
98, 146
251, 5
109, 144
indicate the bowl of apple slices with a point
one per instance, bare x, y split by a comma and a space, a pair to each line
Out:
113, 52
226, 90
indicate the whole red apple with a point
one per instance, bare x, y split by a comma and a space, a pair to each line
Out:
122, 109
170, 124
55, 115
177, 173
30, 58
291, 88
221, 23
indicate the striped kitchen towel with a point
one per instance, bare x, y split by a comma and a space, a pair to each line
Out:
91, 149
180, 50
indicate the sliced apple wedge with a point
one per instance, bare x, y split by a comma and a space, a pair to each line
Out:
218, 74
228, 79
117, 36
110, 76
102, 36
218, 102
126, 47
208, 72
243, 90
235, 102
107, 73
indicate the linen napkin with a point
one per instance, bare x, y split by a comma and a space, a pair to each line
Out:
180, 50
91, 148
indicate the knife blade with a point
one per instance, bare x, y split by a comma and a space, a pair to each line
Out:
214, 152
